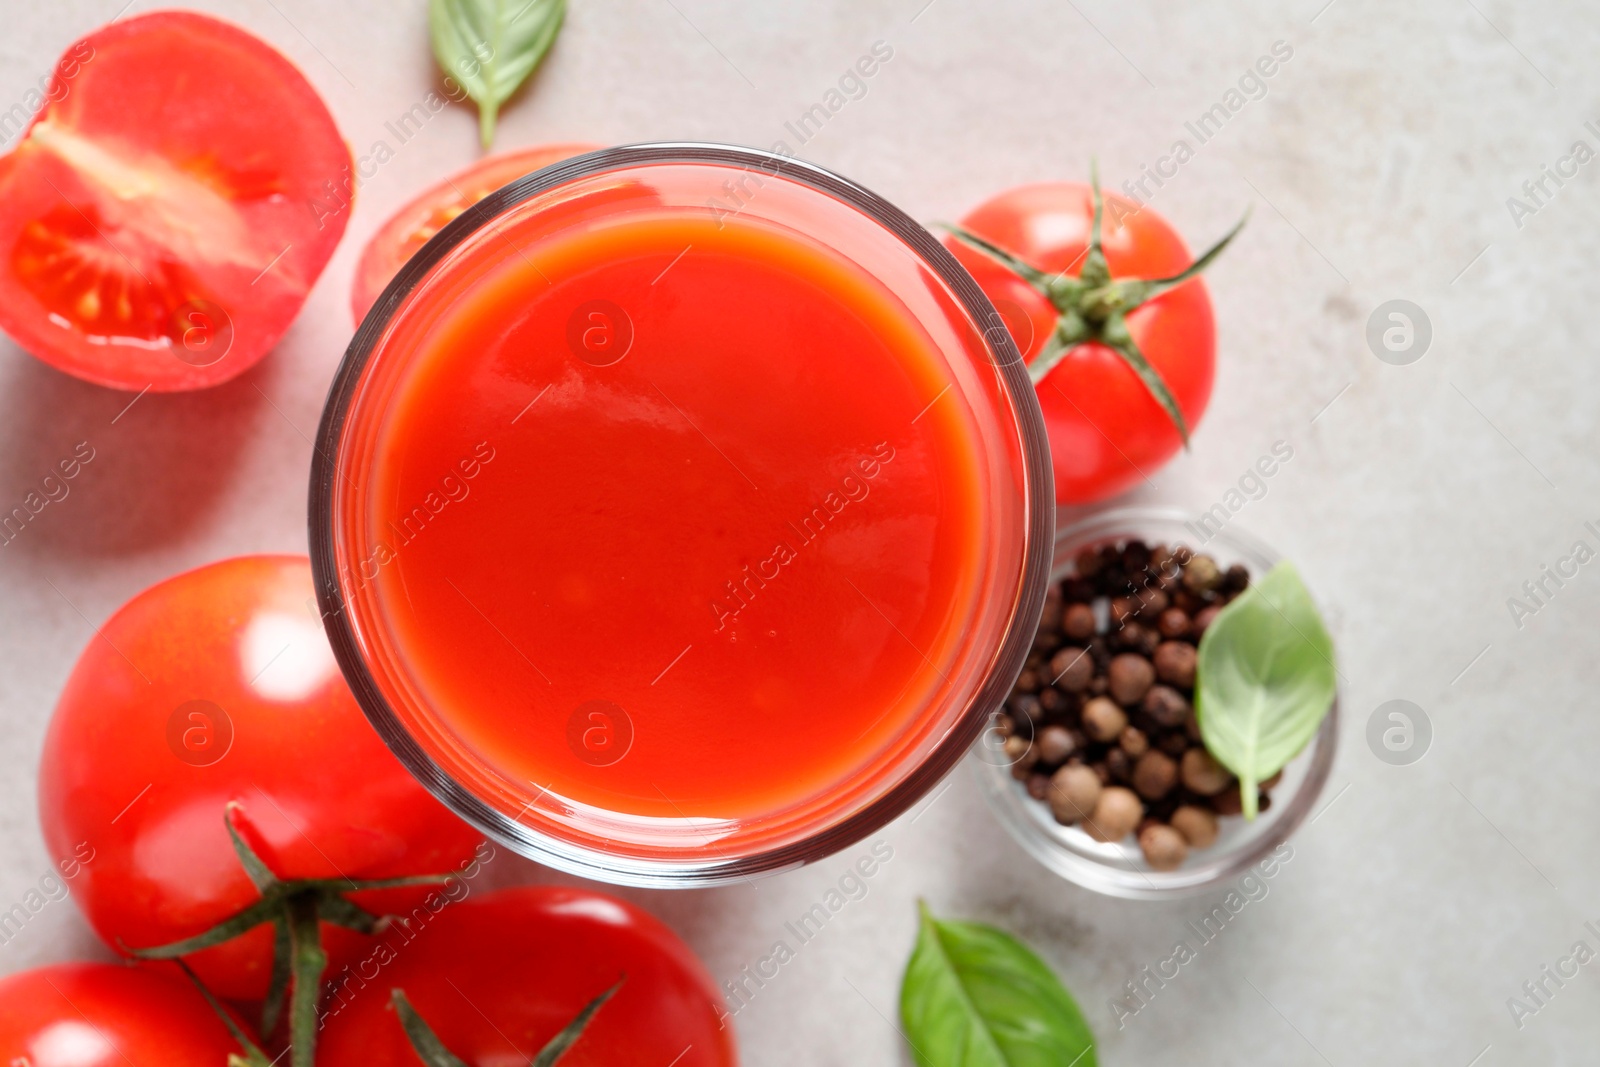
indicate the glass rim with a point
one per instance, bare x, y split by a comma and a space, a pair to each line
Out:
1004, 662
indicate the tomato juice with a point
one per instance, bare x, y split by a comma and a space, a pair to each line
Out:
665, 530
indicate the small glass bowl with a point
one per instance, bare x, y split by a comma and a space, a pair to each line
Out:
1118, 868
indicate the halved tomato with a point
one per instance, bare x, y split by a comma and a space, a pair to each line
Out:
170, 206
409, 228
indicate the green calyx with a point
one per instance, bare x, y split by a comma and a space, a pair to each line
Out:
295, 908
1093, 306
250, 1054
432, 1052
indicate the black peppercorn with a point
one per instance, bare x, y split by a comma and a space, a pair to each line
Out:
1026, 710
1154, 775
1130, 676
1130, 636
1078, 622
1152, 602
1077, 591
1050, 618
1055, 744
1236, 579
1165, 705
1175, 662
1172, 623
1201, 575
1071, 669
1174, 744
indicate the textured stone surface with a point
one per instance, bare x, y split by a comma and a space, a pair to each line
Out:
1378, 165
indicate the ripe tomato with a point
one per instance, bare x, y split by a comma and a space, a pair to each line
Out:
409, 228
1107, 431
215, 687
497, 977
170, 206
100, 1015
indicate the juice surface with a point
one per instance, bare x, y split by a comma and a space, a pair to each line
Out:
675, 520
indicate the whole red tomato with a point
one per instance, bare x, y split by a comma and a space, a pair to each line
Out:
212, 688
101, 1015
496, 977
1107, 430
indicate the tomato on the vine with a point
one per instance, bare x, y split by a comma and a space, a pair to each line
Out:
216, 693
169, 208
408, 229
102, 1015
1102, 346
497, 977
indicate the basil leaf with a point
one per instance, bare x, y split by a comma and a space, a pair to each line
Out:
974, 996
1264, 679
491, 46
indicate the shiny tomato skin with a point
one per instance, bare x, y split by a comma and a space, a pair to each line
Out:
408, 229
103, 1015
1107, 433
170, 206
498, 976
128, 800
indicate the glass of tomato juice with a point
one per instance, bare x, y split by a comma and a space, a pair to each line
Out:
681, 512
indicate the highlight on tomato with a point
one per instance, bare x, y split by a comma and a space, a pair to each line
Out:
498, 977
408, 229
168, 210
235, 806
104, 1015
1105, 304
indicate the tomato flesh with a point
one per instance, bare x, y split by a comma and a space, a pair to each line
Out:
101, 1015
212, 688
77, 275
169, 208
1107, 432
408, 229
498, 976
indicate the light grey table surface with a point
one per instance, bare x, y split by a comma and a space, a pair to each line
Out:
1379, 164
